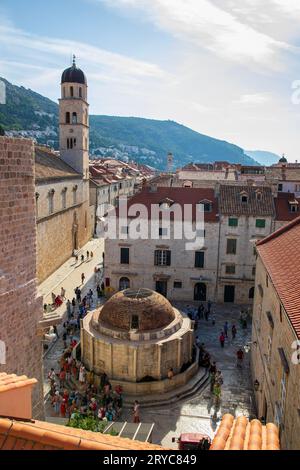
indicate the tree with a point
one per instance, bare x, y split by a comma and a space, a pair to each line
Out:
2, 132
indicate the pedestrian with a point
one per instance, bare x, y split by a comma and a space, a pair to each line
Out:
239, 358
208, 306
51, 376
222, 339
136, 412
64, 337
213, 319
56, 402
63, 408
82, 374
212, 375
82, 278
219, 378
200, 311
233, 331
206, 314
170, 374
82, 258
92, 255
63, 293
87, 255
225, 328
55, 331
103, 257
102, 286
62, 378
69, 310
76, 258
217, 393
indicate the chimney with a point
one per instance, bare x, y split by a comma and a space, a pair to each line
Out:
15, 396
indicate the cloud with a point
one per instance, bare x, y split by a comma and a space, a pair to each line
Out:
220, 27
254, 99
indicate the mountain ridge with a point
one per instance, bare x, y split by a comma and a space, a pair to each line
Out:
144, 140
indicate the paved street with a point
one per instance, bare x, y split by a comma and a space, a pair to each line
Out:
196, 414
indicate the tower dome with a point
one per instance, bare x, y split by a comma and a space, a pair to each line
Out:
283, 159
73, 75
153, 311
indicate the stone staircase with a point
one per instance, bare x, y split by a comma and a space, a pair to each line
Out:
196, 385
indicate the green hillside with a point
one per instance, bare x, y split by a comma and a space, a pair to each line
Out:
144, 140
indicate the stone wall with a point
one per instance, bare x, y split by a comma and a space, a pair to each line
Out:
20, 310
266, 363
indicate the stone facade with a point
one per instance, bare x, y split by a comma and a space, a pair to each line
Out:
278, 396
20, 309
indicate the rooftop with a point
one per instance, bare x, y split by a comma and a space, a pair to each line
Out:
242, 434
12, 381
231, 201
283, 206
280, 253
48, 165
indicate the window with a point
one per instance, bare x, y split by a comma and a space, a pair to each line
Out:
251, 293
199, 259
51, 201
258, 196
163, 232
71, 91
64, 198
124, 256
74, 118
231, 246
207, 207
68, 118
280, 187
64, 92
124, 283
177, 285
260, 223
75, 195
244, 199
134, 322
80, 92
253, 270
293, 207
162, 258
297, 188
233, 222
230, 269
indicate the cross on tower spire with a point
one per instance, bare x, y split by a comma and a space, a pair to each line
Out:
74, 60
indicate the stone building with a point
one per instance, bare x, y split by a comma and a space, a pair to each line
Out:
163, 264
275, 359
65, 220
246, 215
20, 309
136, 338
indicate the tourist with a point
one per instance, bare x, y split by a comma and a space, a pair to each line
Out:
219, 378
69, 310
82, 374
62, 378
225, 329
76, 259
82, 278
64, 337
51, 376
82, 258
233, 331
217, 393
56, 402
99, 292
239, 358
200, 312
63, 408
170, 374
222, 339
213, 319
102, 286
55, 331
209, 306
101, 413
206, 314
92, 255
63, 293
87, 255
136, 412
53, 296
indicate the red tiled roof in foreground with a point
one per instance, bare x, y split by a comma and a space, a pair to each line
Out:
242, 434
12, 381
39, 435
280, 253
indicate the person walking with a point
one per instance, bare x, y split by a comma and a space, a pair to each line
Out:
217, 393
212, 375
226, 329
222, 339
63, 293
82, 258
82, 278
136, 412
87, 255
92, 255
233, 331
239, 358
208, 306
69, 310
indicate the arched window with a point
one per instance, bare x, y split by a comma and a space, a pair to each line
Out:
71, 91
64, 92
200, 292
251, 293
74, 118
68, 118
124, 283
80, 92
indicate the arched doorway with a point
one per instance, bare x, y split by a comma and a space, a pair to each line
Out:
200, 291
124, 283
251, 293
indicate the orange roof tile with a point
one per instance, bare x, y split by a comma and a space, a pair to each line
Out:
39, 435
242, 434
12, 381
280, 253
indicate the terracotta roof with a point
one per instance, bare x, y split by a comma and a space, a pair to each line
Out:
230, 200
280, 253
242, 434
282, 206
39, 435
180, 196
12, 381
48, 165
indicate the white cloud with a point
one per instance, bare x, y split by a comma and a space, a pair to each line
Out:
220, 27
254, 99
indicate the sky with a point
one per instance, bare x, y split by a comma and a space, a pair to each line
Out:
226, 68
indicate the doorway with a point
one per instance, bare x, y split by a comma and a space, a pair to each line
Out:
229, 293
200, 292
162, 287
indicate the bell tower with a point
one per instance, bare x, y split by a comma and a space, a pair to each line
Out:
74, 120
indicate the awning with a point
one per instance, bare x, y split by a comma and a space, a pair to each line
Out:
135, 431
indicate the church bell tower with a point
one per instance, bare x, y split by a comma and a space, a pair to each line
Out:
74, 120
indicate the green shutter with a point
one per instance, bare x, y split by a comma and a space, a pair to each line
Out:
260, 223
233, 222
